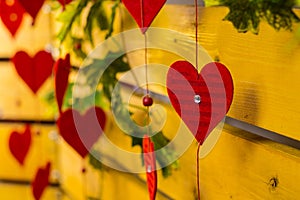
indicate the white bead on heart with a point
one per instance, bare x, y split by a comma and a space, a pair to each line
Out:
197, 99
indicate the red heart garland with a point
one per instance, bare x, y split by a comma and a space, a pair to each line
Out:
34, 71
214, 86
32, 7
64, 2
11, 13
145, 16
19, 144
150, 164
82, 131
61, 76
41, 181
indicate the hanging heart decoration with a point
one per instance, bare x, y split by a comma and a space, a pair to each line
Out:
144, 11
62, 69
32, 7
11, 13
150, 164
82, 131
19, 144
34, 71
41, 181
64, 2
201, 100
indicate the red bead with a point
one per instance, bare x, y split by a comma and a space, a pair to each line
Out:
147, 101
77, 46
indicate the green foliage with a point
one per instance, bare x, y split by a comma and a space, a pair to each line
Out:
246, 15
101, 76
87, 16
94, 159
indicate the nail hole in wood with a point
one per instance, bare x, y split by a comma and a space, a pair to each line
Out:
273, 183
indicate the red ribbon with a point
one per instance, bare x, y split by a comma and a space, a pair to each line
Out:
150, 165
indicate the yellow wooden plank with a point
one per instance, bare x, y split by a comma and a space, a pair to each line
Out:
246, 167
18, 101
43, 149
29, 38
15, 192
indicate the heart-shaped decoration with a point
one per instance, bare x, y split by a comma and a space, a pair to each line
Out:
64, 2
19, 144
201, 100
11, 13
34, 71
150, 165
32, 7
41, 181
144, 11
82, 131
61, 76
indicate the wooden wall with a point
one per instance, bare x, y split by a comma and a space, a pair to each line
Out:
265, 70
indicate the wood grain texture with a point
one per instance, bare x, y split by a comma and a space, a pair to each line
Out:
246, 168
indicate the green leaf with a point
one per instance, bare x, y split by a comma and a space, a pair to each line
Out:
94, 159
112, 19
69, 17
97, 17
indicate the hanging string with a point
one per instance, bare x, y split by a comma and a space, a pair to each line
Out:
145, 46
197, 67
198, 172
196, 34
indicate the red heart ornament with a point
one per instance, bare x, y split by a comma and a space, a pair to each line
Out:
150, 165
32, 7
34, 71
144, 11
201, 100
41, 181
19, 144
64, 2
11, 13
61, 76
82, 131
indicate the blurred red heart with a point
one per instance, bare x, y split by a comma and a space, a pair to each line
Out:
19, 144
11, 13
201, 100
81, 131
41, 181
64, 2
34, 71
32, 7
150, 9
61, 76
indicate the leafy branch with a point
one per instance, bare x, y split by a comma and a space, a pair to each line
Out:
81, 19
246, 15
103, 72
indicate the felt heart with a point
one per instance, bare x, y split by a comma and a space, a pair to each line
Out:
34, 71
61, 76
41, 181
32, 7
201, 100
19, 144
11, 13
150, 164
82, 131
144, 11
64, 2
